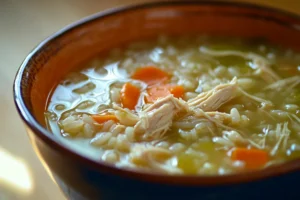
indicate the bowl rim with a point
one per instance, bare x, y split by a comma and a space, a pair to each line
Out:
191, 180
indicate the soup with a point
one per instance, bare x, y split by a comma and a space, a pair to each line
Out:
186, 105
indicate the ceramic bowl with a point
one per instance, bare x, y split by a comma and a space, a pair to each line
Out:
82, 178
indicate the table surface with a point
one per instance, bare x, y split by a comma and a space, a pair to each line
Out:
23, 24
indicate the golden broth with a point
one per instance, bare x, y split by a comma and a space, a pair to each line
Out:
238, 111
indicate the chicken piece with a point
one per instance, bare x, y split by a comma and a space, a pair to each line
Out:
156, 119
222, 117
266, 72
289, 83
216, 97
282, 134
265, 104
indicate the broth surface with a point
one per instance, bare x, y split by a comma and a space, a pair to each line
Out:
187, 105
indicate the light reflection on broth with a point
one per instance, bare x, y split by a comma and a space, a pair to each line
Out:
196, 105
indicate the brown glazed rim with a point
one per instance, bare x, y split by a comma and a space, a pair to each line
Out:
184, 180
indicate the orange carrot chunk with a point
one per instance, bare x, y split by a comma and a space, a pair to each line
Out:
150, 75
130, 95
104, 118
253, 158
161, 91
177, 91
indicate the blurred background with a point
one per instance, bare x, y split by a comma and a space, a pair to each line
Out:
23, 24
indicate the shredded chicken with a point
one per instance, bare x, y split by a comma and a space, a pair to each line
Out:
249, 55
156, 119
282, 135
201, 113
224, 118
264, 103
289, 83
200, 117
294, 117
264, 69
261, 64
215, 98
266, 132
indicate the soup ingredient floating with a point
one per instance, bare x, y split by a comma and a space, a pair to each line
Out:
201, 106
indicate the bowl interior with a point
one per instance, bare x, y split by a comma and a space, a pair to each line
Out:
69, 48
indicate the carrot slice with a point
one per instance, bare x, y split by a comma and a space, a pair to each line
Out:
177, 91
150, 75
104, 118
130, 95
253, 158
161, 91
